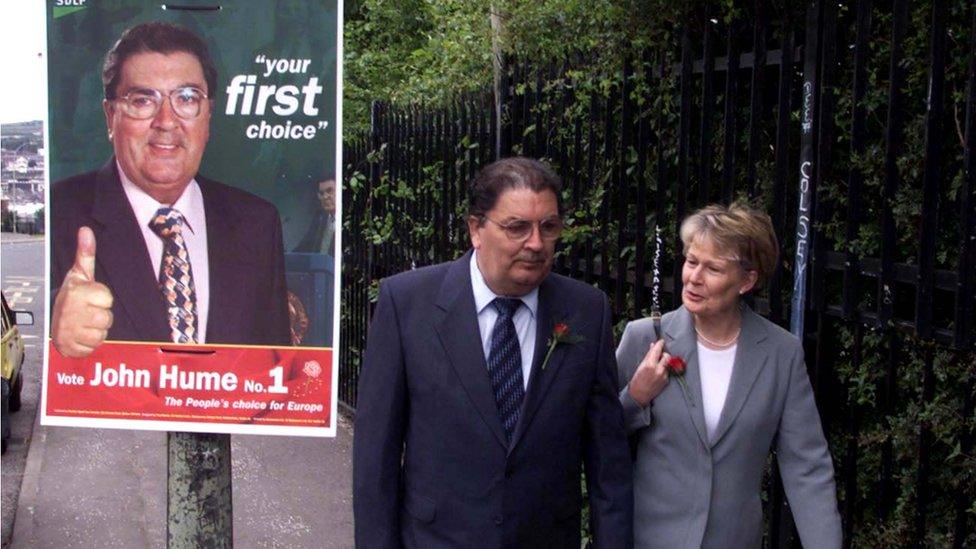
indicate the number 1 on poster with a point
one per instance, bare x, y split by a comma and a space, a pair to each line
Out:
278, 375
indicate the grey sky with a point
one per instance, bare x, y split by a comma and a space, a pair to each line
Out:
24, 47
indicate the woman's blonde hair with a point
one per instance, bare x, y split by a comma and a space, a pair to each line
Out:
742, 232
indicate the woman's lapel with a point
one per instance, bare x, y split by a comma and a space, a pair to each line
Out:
682, 342
751, 356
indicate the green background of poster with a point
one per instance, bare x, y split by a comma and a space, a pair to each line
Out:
283, 171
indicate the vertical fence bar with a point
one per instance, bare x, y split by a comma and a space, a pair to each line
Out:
477, 131
504, 110
854, 177
539, 114
756, 95
528, 141
390, 167
463, 131
574, 253
623, 183
820, 209
924, 448
640, 240
893, 144
488, 129
730, 118
450, 168
472, 154
590, 173
609, 197
781, 168
410, 200
964, 494
926, 261
562, 152
707, 110
931, 176
403, 244
514, 99
966, 269
661, 188
850, 461
427, 202
441, 204
808, 126
684, 146
889, 394
852, 264
373, 209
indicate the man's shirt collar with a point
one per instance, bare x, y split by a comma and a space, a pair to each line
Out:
483, 296
190, 203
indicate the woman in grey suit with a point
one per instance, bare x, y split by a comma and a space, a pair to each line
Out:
703, 444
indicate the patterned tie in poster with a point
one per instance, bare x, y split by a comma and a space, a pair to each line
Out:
224, 116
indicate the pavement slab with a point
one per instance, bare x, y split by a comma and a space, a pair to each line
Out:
107, 488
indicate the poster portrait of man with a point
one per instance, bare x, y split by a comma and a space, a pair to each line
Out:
181, 150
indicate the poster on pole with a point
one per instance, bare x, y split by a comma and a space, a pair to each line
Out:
192, 204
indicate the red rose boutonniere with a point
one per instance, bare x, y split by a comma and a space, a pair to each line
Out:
560, 334
676, 368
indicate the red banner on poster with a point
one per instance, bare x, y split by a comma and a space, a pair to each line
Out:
267, 386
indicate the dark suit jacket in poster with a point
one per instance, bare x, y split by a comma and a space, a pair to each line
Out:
321, 228
694, 491
431, 466
248, 302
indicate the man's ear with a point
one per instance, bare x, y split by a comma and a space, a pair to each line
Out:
474, 228
109, 109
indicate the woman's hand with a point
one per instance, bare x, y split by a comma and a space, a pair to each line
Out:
651, 375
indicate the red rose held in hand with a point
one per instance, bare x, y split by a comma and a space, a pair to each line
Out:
676, 365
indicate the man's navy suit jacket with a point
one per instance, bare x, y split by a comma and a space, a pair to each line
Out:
248, 300
431, 465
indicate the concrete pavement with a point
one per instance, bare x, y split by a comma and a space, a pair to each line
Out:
107, 488
15, 238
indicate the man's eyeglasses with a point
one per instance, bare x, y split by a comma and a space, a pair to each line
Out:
144, 103
521, 229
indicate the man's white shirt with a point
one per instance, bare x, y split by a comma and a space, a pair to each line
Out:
525, 318
190, 204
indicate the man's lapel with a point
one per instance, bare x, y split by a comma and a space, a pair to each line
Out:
122, 255
751, 356
550, 312
681, 341
459, 334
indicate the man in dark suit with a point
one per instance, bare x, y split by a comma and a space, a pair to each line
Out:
486, 385
320, 236
221, 278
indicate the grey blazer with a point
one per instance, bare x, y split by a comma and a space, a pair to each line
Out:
691, 491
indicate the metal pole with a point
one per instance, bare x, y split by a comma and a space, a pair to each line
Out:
198, 496
804, 213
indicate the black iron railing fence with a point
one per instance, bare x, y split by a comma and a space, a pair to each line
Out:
864, 160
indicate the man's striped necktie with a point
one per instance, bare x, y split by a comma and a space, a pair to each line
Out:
505, 364
176, 276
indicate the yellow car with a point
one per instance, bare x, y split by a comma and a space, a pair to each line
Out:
12, 360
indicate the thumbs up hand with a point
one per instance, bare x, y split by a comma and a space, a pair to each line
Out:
82, 312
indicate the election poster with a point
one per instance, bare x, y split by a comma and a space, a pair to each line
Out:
193, 258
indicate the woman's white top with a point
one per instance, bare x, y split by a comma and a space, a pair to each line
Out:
716, 373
